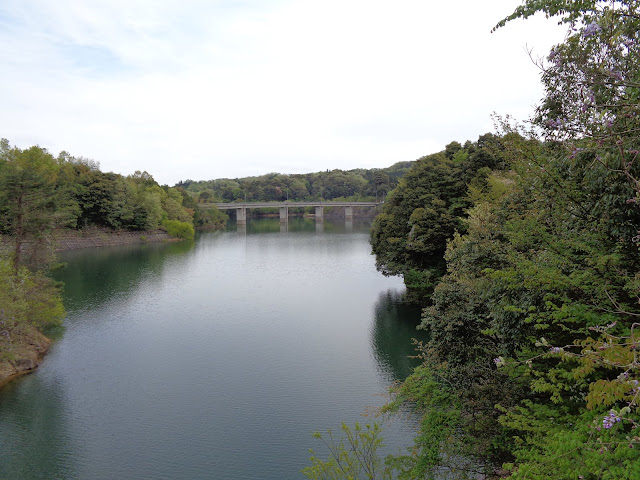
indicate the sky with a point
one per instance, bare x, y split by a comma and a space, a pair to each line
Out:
204, 89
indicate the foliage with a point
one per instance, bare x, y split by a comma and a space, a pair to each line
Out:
424, 211
360, 184
32, 203
179, 229
209, 217
542, 260
40, 193
29, 300
538, 310
354, 456
590, 263
586, 449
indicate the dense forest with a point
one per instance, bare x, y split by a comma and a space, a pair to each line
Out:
360, 184
527, 266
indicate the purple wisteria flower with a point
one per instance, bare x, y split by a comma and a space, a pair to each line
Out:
611, 419
555, 123
591, 30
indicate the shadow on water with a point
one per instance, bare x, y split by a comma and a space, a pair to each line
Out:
299, 225
33, 438
93, 280
393, 329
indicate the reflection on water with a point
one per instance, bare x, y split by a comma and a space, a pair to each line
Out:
299, 225
394, 328
34, 432
211, 359
93, 280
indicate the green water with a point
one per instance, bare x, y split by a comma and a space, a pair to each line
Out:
214, 359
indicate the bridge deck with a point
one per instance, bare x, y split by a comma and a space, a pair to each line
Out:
231, 206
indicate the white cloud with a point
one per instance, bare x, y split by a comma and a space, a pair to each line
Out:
198, 89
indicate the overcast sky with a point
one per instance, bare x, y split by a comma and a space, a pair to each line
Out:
206, 89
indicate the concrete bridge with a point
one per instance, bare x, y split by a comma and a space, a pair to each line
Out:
241, 208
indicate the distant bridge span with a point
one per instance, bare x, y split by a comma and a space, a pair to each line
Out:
241, 208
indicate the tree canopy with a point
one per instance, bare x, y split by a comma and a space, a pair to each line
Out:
40, 193
531, 369
361, 184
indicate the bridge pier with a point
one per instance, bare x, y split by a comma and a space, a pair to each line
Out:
241, 208
241, 215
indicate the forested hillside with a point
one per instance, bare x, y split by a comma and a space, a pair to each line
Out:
361, 184
40, 193
528, 266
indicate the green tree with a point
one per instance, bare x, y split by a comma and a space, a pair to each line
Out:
105, 199
32, 203
30, 303
409, 237
179, 229
210, 217
204, 197
172, 205
355, 456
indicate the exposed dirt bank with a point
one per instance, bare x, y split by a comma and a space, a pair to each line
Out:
94, 237
23, 354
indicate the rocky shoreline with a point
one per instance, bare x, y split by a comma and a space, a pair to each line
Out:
26, 354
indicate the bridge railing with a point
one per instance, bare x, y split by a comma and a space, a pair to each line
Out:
234, 205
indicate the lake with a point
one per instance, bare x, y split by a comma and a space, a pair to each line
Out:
212, 359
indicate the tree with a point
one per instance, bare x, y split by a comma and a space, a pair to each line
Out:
105, 199
204, 197
451, 149
592, 80
32, 204
409, 237
30, 302
588, 223
357, 459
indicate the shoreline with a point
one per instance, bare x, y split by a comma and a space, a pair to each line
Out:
28, 353
102, 237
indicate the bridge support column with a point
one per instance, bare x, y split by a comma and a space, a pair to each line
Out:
319, 212
241, 215
284, 214
348, 213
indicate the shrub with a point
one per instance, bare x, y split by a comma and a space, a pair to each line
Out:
179, 229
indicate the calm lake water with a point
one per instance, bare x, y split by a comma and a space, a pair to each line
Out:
213, 359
